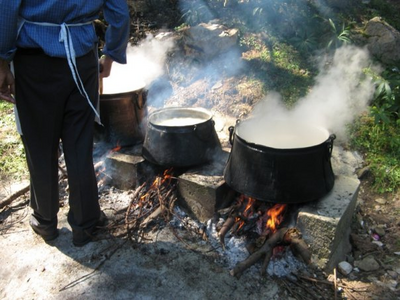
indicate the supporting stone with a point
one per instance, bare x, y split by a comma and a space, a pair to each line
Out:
123, 168
202, 190
325, 224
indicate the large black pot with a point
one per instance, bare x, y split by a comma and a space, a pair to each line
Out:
180, 137
280, 173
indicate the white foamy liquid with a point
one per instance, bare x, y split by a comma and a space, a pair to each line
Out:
179, 121
118, 87
123, 79
282, 135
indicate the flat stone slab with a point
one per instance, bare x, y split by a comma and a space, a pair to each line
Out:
203, 190
123, 167
325, 223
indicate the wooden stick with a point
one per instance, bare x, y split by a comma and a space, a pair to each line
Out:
266, 249
300, 248
315, 280
7, 200
335, 282
224, 230
151, 217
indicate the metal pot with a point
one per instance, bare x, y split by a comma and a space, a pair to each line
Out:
269, 168
180, 137
122, 115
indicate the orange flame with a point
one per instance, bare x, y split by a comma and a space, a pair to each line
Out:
116, 148
275, 216
249, 205
167, 175
248, 210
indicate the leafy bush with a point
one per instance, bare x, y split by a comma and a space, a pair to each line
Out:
381, 144
386, 105
378, 134
336, 36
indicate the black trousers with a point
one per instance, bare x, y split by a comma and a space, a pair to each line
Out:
51, 109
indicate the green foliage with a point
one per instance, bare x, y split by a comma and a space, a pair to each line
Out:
336, 36
180, 27
12, 154
305, 41
386, 105
381, 144
378, 134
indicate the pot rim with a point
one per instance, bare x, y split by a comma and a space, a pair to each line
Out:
261, 148
116, 96
205, 115
328, 137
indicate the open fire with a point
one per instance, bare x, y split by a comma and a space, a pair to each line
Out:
257, 224
249, 216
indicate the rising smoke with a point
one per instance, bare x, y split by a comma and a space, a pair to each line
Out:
341, 93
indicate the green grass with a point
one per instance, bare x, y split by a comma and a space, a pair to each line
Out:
12, 154
380, 144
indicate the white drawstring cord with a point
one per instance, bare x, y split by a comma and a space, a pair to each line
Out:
66, 39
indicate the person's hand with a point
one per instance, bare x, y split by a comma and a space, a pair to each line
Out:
105, 63
7, 83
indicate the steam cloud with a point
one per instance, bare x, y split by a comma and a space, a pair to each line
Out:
144, 64
340, 94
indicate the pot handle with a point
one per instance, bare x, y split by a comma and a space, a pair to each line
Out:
329, 144
231, 130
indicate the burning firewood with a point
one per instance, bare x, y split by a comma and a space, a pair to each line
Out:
225, 229
283, 236
148, 204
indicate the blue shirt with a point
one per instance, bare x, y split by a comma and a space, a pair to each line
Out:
84, 37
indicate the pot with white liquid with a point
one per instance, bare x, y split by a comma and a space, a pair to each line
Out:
280, 161
180, 137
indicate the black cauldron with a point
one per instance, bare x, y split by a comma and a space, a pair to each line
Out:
180, 137
269, 167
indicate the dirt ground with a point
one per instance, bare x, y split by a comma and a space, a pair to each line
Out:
161, 268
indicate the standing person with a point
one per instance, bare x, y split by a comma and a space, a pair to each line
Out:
51, 45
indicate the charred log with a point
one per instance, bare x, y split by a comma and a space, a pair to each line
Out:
283, 236
225, 229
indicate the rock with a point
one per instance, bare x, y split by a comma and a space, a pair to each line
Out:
380, 231
392, 284
209, 40
378, 243
380, 201
345, 268
393, 274
362, 244
383, 41
364, 172
367, 264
